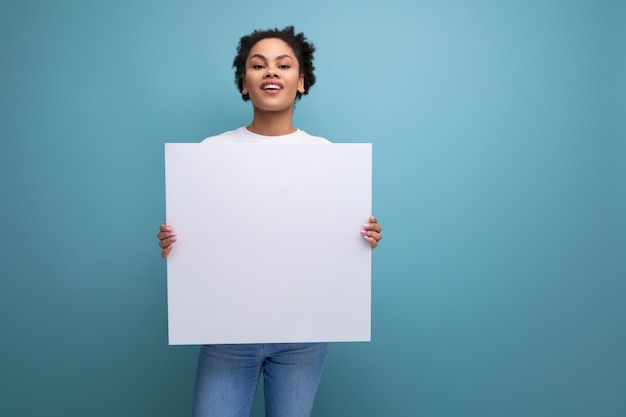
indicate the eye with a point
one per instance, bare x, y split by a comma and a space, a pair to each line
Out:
284, 66
257, 66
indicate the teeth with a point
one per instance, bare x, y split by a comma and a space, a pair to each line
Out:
271, 87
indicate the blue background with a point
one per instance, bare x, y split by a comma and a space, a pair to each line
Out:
499, 176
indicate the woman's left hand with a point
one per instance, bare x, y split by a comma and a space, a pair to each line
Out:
371, 232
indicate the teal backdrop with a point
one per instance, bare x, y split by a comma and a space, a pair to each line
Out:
499, 138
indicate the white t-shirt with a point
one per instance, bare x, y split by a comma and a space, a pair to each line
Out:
243, 135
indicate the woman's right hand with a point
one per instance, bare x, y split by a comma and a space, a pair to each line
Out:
166, 237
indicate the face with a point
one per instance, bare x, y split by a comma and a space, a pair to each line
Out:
272, 75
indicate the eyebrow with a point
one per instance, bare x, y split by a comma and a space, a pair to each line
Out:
278, 58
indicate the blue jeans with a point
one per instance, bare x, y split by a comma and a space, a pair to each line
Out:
228, 375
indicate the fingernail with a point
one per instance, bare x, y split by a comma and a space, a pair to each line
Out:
366, 225
363, 232
168, 229
173, 239
172, 234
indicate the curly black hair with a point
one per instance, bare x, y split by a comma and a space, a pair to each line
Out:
297, 41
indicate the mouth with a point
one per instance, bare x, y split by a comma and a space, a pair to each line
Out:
271, 87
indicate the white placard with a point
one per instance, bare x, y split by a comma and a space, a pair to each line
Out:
269, 247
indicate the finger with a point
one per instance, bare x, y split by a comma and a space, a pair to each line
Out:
372, 241
167, 242
373, 226
165, 235
164, 231
371, 234
372, 237
166, 251
167, 238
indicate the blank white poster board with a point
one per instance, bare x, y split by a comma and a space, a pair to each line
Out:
269, 247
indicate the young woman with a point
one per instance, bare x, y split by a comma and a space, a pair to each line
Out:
273, 69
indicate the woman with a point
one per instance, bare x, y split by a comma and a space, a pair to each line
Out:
273, 69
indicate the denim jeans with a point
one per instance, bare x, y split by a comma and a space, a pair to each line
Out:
228, 375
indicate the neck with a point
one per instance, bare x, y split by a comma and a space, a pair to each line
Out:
272, 123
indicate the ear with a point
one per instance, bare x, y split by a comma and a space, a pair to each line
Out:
301, 84
244, 88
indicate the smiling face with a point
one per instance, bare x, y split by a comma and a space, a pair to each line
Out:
272, 76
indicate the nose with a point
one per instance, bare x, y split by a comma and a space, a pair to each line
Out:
271, 73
